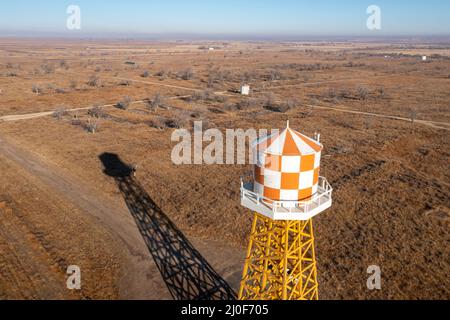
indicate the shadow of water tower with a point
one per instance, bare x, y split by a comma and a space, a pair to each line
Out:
187, 274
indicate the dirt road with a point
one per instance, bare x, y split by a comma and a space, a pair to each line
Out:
433, 124
142, 279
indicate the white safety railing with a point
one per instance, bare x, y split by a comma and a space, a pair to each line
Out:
322, 196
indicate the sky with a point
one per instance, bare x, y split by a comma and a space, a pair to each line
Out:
284, 18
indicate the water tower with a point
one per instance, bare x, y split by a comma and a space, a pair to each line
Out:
285, 194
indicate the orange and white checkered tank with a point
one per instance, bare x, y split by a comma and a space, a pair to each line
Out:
287, 166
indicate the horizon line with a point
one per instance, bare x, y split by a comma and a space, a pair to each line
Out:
221, 36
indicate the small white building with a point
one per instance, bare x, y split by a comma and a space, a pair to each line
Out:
211, 49
424, 58
245, 90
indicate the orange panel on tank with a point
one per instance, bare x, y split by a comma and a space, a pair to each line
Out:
273, 194
305, 194
307, 163
289, 181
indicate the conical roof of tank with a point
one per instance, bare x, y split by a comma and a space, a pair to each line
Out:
287, 142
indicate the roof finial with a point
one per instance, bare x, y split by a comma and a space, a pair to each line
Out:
288, 124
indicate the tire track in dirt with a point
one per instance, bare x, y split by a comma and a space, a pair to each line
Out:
25, 260
141, 279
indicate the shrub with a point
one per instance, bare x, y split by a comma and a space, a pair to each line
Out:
331, 93
157, 123
60, 113
162, 123
93, 81
187, 74
36, 89
173, 123
271, 105
145, 74
125, 83
247, 104
362, 92
199, 95
215, 76
381, 92
161, 73
91, 126
64, 65
124, 104
290, 103
344, 94
156, 102
281, 108
269, 100
207, 95
96, 112
275, 75
47, 68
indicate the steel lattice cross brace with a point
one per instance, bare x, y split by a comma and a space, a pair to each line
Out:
280, 263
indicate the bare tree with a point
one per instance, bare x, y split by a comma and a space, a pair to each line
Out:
156, 102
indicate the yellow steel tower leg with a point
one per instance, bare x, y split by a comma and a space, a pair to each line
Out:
281, 262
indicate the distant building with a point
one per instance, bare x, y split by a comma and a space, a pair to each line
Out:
211, 49
245, 90
424, 58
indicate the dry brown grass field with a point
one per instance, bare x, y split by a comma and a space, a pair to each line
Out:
384, 118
